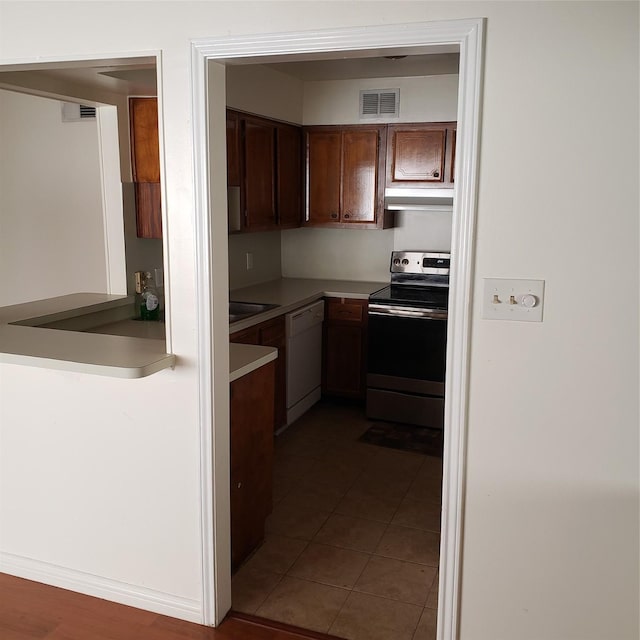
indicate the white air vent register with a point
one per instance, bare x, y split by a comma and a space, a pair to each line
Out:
379, 103
72, 112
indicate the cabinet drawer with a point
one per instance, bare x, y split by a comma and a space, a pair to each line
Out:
345, 311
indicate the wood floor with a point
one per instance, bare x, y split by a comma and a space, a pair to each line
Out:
30, 610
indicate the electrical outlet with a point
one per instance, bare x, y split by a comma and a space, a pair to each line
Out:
139, 276
249, 261
513, 299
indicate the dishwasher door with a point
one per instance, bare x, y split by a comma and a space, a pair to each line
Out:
304, 359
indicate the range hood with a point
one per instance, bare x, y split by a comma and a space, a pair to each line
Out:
418, 199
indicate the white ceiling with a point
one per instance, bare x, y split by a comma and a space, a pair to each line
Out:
137, 76
133, 76
374, 67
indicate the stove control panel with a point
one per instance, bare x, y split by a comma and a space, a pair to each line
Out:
420, 262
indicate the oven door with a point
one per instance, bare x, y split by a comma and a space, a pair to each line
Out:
406, 364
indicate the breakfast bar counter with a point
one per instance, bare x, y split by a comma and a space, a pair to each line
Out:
25, 341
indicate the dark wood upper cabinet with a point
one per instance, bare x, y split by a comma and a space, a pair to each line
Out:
420, 155
324, 175
288, 175
258, 197
345, 176
334, 174
145, 153
453, 153
360, 153
145, 164
264, 159
233, 149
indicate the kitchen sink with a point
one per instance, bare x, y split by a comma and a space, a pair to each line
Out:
242, 310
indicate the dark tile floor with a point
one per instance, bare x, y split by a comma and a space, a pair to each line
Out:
352, 545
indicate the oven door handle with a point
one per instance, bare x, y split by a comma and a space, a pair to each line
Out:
406, 312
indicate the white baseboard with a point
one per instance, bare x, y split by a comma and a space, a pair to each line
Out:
132, 595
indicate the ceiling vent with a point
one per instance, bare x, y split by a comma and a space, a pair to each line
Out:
379, 103
72, 112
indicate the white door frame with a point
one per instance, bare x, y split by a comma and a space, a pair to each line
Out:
212, 283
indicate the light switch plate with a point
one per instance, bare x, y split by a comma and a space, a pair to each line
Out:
506, 299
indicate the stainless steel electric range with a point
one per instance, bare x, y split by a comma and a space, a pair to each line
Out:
407, 327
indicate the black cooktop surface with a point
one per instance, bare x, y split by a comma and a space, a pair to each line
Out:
423, 297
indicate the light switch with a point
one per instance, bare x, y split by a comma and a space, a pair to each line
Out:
505, 299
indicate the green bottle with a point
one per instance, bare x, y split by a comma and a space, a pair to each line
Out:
149, 300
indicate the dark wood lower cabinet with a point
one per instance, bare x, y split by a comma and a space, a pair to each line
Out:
271, 333
251, 459
345, 335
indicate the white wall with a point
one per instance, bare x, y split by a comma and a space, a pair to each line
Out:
343, 254
51, 218
256, 88
422, 99
551, 494
422, 231
265, 248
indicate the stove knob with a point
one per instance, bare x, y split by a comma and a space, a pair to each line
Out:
405, 261
396, 261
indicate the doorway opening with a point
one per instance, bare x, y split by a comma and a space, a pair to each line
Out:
210, 57
352, 532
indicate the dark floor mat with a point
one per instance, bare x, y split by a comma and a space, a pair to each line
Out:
406, 437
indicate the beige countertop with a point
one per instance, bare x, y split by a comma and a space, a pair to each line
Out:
24, 342
245, 358
292, 293
125, 349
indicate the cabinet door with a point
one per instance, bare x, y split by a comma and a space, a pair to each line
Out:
273, 334
259, 174
148, 210
324, 160
251, 459
359, 175
233, 149
452, 154
416, 155
289, 176
343, 370
344, 347
145, 155
145, 166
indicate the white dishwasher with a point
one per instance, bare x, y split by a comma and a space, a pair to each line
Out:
304, 359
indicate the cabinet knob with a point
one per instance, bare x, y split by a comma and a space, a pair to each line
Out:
334, 215
346, 215
436, 174
239, 485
